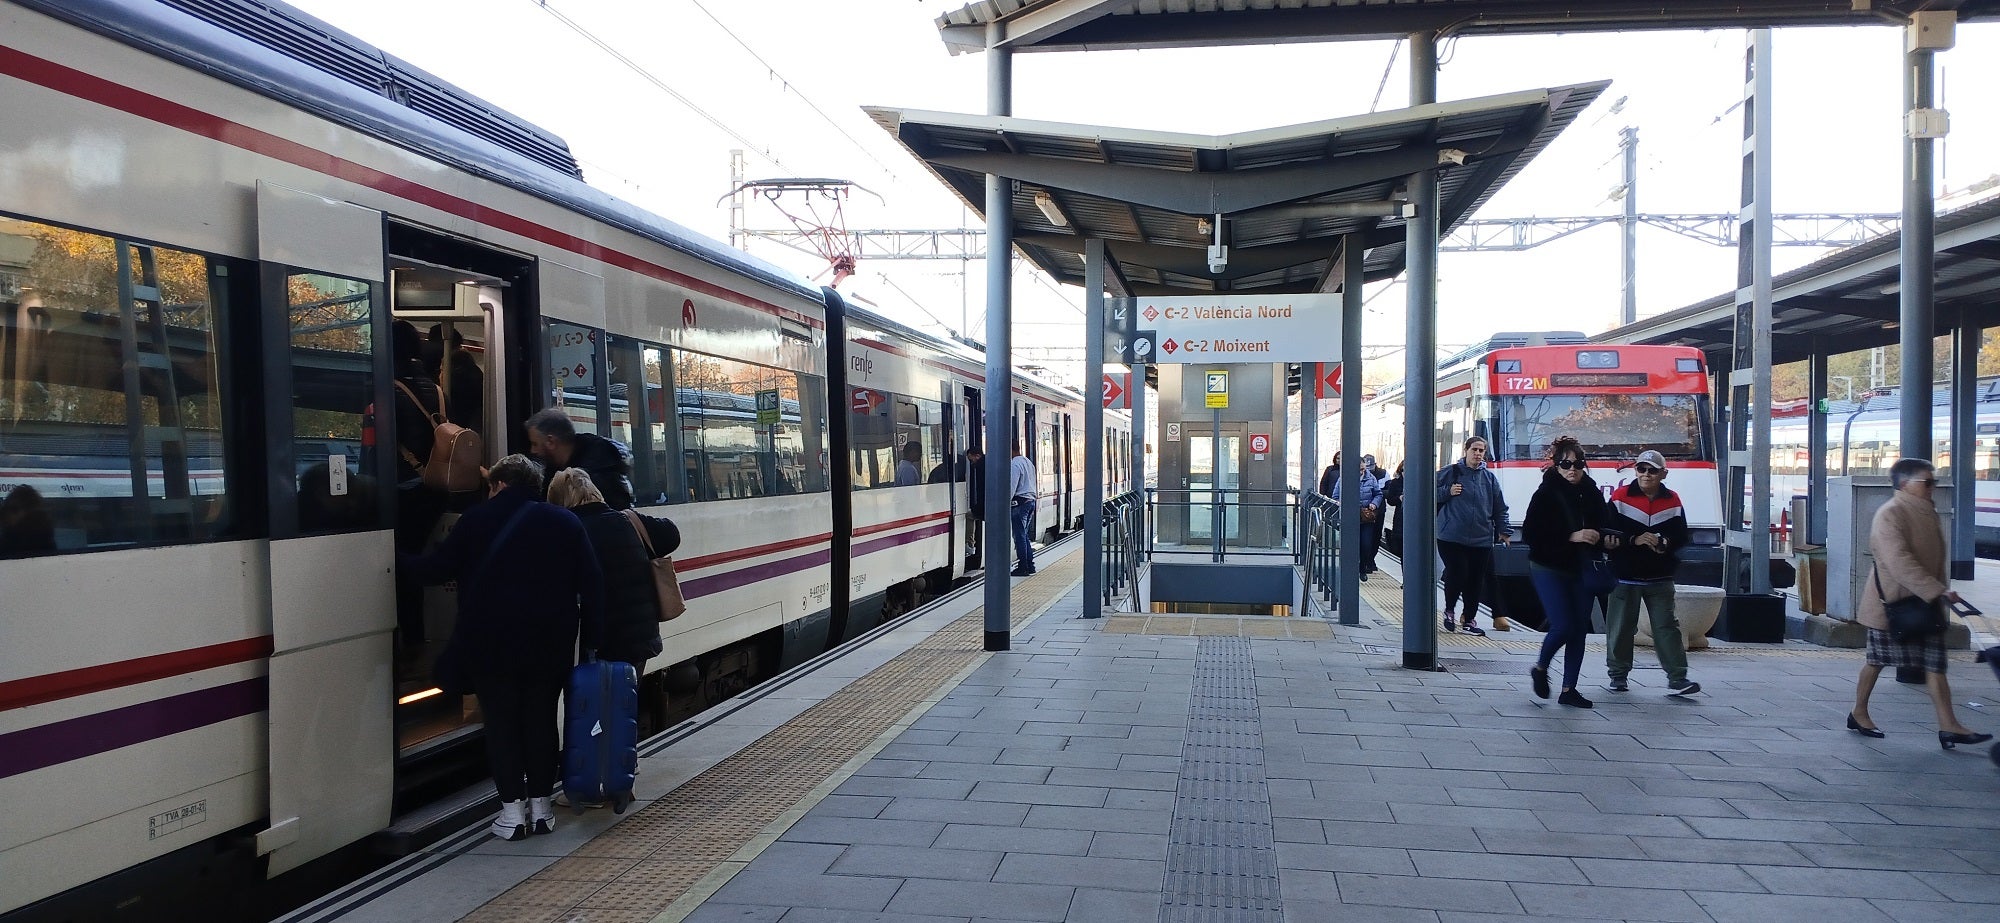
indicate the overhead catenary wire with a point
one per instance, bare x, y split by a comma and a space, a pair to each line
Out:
793, 88
649, 77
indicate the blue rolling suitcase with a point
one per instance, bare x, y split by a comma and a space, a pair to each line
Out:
601, 734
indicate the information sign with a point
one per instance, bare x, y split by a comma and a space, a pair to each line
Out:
1260, 443
1118, 390
1237, 328
1218, 389
767, 407
1326, 380
1173, 432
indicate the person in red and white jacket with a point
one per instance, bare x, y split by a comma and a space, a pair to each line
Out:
1650, 517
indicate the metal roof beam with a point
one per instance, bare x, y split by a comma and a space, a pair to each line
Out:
1244, 262
1881, 310
1199, 194
1392, 21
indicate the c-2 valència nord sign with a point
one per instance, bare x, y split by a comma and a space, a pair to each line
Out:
1242, 328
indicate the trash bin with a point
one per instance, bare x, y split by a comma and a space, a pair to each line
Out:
1812, 578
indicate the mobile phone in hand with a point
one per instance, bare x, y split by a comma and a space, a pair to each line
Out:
1965, 608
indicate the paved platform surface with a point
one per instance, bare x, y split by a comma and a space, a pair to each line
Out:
1146, 768
1046, 787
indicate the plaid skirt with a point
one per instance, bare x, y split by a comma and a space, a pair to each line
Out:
1926, 653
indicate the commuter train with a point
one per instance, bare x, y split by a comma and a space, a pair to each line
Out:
212, 212
1862, 440
1520, 391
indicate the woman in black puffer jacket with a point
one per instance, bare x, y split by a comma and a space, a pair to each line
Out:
631, 606
1564, 527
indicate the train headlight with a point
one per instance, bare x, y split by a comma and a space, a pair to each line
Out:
1597, 359
1704, 536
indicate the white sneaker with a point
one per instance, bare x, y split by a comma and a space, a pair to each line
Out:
512, 824
541, 815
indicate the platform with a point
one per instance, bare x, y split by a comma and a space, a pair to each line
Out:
1153, 768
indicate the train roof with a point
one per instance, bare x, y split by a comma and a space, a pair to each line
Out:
271, 49
953, 349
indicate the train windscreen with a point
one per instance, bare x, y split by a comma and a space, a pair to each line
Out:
1609, 425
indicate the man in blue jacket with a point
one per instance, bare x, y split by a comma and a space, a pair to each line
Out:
1371, 506
1655, 526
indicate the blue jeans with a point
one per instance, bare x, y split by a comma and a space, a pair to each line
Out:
1567, 605
1024, 526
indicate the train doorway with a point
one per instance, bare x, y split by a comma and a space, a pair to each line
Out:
460, 323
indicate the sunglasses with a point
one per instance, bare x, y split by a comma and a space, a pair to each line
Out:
1927, 482
1647, 469
1572, 464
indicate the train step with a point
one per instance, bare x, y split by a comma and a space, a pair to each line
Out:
412, 832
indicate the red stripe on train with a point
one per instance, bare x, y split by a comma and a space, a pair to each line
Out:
35, 690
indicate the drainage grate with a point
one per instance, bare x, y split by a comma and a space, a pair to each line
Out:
1222, 862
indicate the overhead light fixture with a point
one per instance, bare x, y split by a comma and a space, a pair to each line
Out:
1047, 204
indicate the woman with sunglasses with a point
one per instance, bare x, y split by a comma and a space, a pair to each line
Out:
1907, 540
1565, 529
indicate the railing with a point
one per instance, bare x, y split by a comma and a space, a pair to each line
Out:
1319, 546
1224, 515
1124, 548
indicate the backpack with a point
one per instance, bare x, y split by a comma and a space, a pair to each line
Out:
455, 451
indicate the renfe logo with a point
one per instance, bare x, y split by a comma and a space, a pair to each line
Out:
863, 364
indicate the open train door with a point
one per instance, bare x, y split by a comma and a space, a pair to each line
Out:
325, 338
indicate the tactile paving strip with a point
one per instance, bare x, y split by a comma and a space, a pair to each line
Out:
648, 860
1222, 861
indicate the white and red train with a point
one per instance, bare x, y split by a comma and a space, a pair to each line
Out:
1521, 391
211, 214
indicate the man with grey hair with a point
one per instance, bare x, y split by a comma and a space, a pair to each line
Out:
553, 439
527, 577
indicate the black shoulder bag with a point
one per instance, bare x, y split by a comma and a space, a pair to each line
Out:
1910, 618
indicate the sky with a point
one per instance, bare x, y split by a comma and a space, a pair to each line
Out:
786, 80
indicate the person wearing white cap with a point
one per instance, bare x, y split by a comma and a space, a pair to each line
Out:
1652, 516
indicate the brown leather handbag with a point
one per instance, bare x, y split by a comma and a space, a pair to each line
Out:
665, 582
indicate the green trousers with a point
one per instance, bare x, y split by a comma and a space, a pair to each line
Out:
1621, 621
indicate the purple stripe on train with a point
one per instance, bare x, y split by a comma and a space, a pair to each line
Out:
707, 586
76, 738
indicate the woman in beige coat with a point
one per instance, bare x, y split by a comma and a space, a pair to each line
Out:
1907, 540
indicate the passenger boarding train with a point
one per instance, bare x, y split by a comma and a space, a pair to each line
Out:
211, 212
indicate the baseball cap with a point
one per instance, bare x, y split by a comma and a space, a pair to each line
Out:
1650, 457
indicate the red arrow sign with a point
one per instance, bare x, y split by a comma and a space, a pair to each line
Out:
1118, 391
1326, 381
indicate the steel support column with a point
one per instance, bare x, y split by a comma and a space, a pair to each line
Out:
1964, 444
1919, 262
1093, 429
1348, 592
1816, 444
1629, 263
1747, 488
998, 403
1420, 371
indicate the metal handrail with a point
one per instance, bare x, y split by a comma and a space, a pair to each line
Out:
1124, 522
1319, 541
1215, 502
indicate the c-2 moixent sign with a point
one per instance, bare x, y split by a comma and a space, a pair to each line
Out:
1242, 328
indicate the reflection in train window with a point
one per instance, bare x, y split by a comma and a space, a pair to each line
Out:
880, 424
112, 416
333, 386
747, 430
573, 356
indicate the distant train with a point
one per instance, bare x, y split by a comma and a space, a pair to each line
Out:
1520, 391
1862, 440
211, 214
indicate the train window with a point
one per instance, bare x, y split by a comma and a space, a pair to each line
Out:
734, 443
333, 369
112, 419
881, 424
573, 357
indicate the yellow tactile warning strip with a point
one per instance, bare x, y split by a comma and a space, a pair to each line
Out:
690, 841
1211, 625
1386, 595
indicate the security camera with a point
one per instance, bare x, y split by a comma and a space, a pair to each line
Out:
1218, 258
1451, 156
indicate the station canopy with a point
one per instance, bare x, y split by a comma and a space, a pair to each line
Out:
1851, 299
1095, 25
1287, 197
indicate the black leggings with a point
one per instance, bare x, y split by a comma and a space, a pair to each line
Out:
521, 739
1466, 570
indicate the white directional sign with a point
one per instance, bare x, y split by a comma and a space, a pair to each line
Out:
1242, 328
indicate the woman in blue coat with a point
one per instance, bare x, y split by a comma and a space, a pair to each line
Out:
526, 579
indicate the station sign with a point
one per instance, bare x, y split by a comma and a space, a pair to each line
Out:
1118, 390
1326, 380
767, 407
1260, 443
1236, 328
1218, 389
